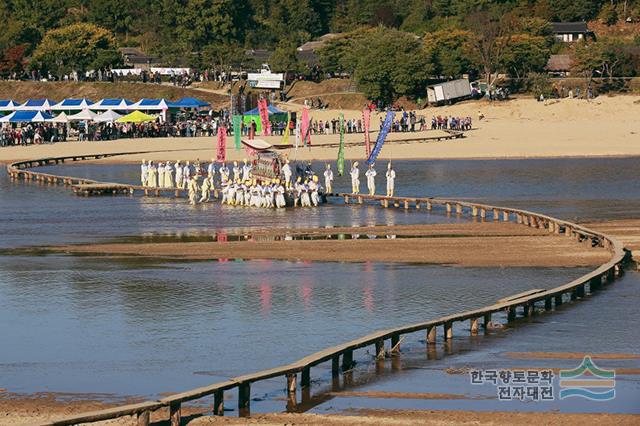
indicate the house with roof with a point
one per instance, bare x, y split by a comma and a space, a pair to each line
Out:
569, 32
136, 58
559, 65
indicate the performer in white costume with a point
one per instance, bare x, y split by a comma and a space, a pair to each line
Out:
168, 175
246, 171
371, 179
179, 181
144, 173
193, 190
286, 171
328, 179
152, 180
355, 178
391, 180
237, 172
206, 190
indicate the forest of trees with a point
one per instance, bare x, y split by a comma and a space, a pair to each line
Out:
428, 37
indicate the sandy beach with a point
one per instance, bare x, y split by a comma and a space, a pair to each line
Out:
469, 245
520, 128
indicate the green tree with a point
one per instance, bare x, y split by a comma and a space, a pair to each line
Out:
389, 64
525, 54
285, 58
450, 52
78, 47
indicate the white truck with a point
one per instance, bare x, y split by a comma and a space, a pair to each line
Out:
265, 79
449, 92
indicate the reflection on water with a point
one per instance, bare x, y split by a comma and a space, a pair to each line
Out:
94, 325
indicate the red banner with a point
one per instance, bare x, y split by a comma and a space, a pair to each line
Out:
264, 117
305, 128
222, 144
366, 119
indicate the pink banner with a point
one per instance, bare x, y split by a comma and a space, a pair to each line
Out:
222, 144
366, 119
264, 117
305, 129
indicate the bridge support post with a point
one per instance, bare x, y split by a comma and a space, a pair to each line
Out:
360, 201
448, 205
143, 419
429, 206
474, 211
505, 216
483, 213
486, 321
547, 304
496, 214
431, 335
218, 403
346, 199
417, 205
406, 204
395, 343
458, 209
347, 361
305, 379
448, 331
174, 413
335, 366
511, 313
580, 291
558, 299
474, 326
244, 399
380, 349
292, 387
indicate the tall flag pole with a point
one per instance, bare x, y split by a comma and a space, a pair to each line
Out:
366, 118
237, 130
222, 144
341, 149
388, 121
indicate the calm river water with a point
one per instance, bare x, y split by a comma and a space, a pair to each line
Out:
131, 327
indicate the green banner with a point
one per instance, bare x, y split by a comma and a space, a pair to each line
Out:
341, 149
237, 130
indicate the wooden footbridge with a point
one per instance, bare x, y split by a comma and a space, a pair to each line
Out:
297, 375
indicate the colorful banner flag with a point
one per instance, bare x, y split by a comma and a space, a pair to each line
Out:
341, 149
285, 136
264, 117
305, 127
388, 121
237, 131
222, 144
366, 120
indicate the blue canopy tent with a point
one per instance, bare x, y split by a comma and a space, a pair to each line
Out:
275, 114
72, 105
118, 104
26, 117
37, 105
190, 103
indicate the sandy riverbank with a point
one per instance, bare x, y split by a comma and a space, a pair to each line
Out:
521, 128
468, 245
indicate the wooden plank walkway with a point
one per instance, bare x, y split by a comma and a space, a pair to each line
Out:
342, 356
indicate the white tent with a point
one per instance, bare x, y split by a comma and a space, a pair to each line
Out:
83, 115
61, 118
107, 117
118, 104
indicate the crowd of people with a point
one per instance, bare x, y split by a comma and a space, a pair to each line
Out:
239, 186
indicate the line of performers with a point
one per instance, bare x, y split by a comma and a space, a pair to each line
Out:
240, 188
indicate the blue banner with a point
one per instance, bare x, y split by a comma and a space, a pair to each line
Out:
388, 121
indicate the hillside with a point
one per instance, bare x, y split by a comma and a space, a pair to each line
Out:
23, 90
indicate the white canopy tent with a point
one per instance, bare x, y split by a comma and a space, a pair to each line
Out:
84, 115
107, 117
61, 118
